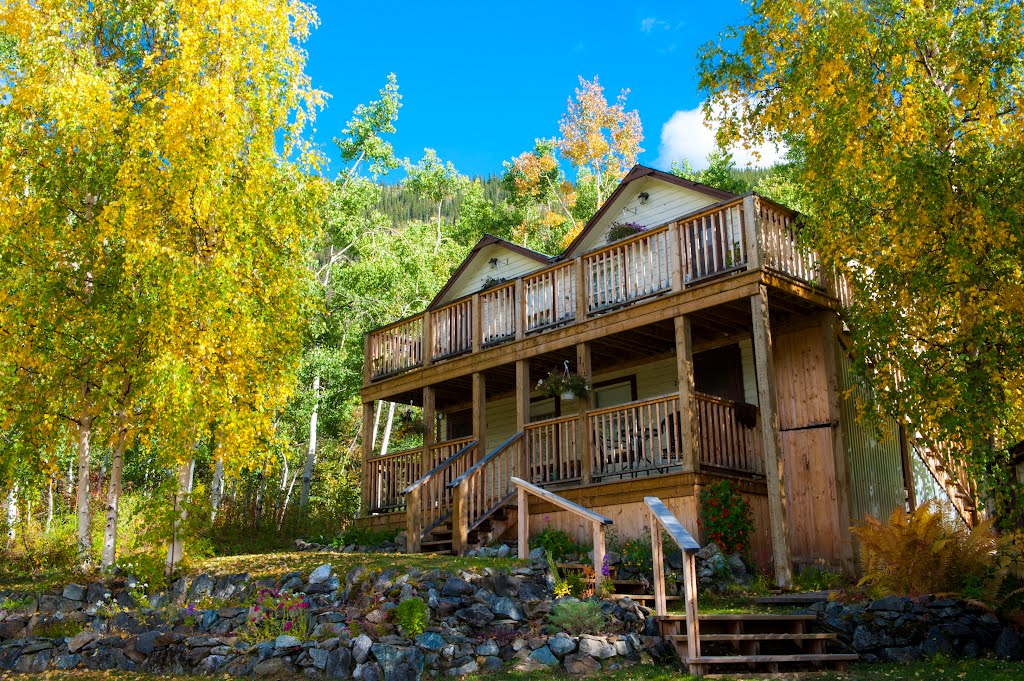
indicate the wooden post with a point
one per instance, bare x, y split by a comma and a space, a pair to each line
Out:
908, 469
476, 322
523, 522
658, 559
598, 555
523, 417
427, 349
480, 413
582, 289
430, 428
692, 621
831, 342
675, 263
585, 369
752, 232
367, 359
367, 437
771, 438
519, 305
689, 427
460, 519
413, 520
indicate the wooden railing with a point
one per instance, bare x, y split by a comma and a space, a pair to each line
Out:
714, 243
628, 270
428, 501
634, 437
550, 297
387, 476
484, 488
597, 522
452, 329
397, 347
729, 434
660, 518
745, 233
553, 452
782, 249
443, 450
947, 467
498, 314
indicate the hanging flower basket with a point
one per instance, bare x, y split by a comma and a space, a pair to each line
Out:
623, 230
564, 384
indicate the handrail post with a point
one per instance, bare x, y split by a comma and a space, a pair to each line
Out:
460, 517
426, 351
476, 322
692, 621
413, 521
519, 307
523, 521
675, 250
598, 555
658, 560
582, 290
367, 446
583, 442
752, 232
367, 357
689, 426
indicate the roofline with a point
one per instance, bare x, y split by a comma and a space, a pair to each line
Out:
487, 240
637, 172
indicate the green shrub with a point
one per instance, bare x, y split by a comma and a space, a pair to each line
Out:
554, 542
815, 578
63, 628
412, 616
577, 617
637, 554
364, 536
727, 518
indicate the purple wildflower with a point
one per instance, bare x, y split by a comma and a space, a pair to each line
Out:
606, 570
191, 608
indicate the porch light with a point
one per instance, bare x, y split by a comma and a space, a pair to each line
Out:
643, 196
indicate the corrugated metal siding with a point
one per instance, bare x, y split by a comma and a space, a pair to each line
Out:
873, 460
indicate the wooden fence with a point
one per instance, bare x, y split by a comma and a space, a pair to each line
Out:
388, 475
550, 297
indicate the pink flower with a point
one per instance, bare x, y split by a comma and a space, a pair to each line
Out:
287, 626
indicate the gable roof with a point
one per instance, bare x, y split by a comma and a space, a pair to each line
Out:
486, 240
636, 173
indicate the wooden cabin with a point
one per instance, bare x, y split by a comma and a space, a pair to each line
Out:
714, 345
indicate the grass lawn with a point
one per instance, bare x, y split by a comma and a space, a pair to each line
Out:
935, 670
275, 564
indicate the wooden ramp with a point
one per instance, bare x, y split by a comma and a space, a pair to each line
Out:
713, 644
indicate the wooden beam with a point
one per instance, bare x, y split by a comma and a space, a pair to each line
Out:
480, 412
413, 519
584, 367
675, 250
752, 232
582, 289
835, 411
523, 522
523, 415
520, 306
476, 322
658, 560
367, 446
688, 425
427, 349
692, 300
429, 426
597, 554
771, 438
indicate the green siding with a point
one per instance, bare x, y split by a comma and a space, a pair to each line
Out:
873, 459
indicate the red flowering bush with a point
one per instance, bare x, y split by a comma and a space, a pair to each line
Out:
726, 517
277, 612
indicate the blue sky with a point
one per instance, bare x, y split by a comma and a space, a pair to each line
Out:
480, 81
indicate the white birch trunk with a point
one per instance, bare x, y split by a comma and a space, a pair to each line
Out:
307, 471
176, 548
284, 506
376, 425
49, 505
114, 493
84, 515
217, 488
387, 430
12, 511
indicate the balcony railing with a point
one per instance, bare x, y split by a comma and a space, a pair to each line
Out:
742, 234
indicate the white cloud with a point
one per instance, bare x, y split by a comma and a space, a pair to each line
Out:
686, 136
648, 24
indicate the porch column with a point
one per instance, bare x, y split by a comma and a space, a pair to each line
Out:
583, 441
523, 416
771, 438
480, 413
367, 442
429, 428
831, 343
689, 427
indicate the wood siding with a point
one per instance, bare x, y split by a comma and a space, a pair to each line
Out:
473, 278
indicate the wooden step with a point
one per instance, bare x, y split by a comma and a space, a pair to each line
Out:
762, 659
756, 637
741, 617
644, 597
438, 544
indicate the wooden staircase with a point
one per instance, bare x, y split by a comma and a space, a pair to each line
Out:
951, 475
439, 539
764, 643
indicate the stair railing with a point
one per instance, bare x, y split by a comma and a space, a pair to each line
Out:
597, 522
485, 487
660, 518
428, 501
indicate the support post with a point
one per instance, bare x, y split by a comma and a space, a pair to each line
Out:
367, 359
658, 559
367, 443
476, 322
519, 305
692, 621
583, 440
582, 289
480, 414
771, 438
427, 350
752, 232
689, 427
429, 429
523, 522
413, 520
831, 343
675, 263
597, 555
523, 417
460, 519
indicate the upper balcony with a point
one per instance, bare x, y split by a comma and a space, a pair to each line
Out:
739, 235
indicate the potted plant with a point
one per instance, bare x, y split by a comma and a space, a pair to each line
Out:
564, 384
623, 230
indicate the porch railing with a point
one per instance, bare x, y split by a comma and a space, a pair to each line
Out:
428, 500
550, 297
553, 452
388, 475
729, 434
628, 270
745, 233
635, 437
483, 488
